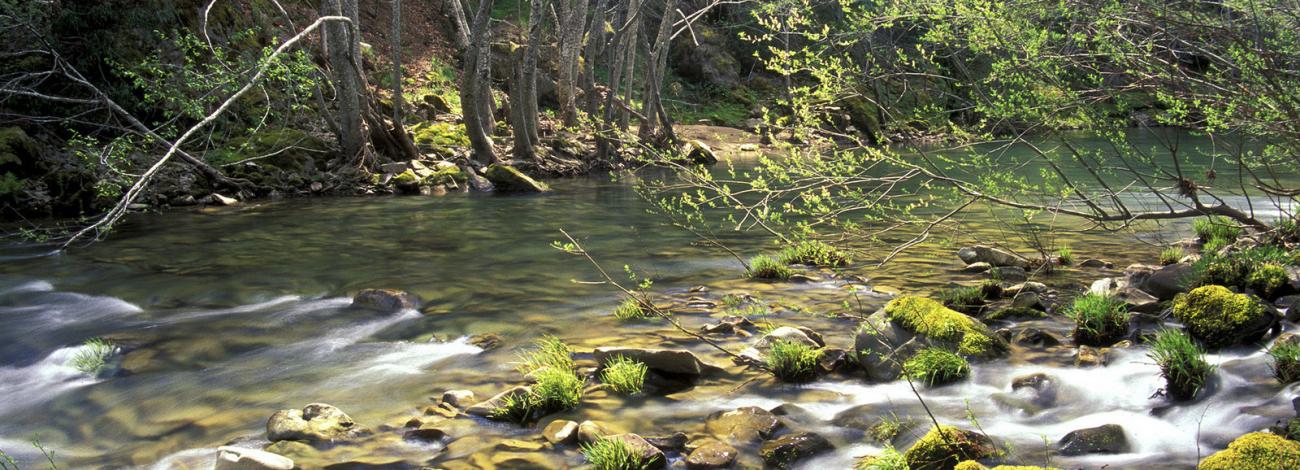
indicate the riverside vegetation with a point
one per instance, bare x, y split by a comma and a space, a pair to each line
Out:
881, 235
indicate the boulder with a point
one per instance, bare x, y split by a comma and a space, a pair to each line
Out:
742, 425
1254, 451
1011, 273
1105, 439
908, 324
1030, 300
1163, 282
711, 454
800, 335
592, 431
936, 451
1136, 300
1042, 388
1035, 337
457, 398
976, 268
704, 56
1218, 317
315, 423
1088, 356
560, 432
675, 441
993, 256
239, 458
1095, 263
662, 360
785, 451
508, 179
699, 153
488, 408
385, 300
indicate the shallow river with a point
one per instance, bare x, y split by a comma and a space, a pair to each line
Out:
226, 316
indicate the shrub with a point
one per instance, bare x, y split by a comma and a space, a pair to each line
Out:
962, 299
931, 319
549, 352
1216, 227
1182, 364
934, 367
1065, 255
630, 309
764, 267
93, 356
624, 375
1099, 320
612, 453
813, 253
1218, 317
1172, 255
888, 459
1286, 361
792, 361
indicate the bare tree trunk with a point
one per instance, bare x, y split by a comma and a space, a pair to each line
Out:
630, 42
397, 65
476, 85
343, 48
594, 48
518, 111
572, 16
656, 66
537, 12
461, 35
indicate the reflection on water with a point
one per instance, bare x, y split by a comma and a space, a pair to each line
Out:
225, 317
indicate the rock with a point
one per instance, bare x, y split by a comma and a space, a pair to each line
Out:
1024, 288
238, 458
1163, 283
784, 451
1105, 439
1011, 273
457, 398
487, 341
1041, 388
749, 148
436, 103
476, 182
711, 454
425, 435
1088, 356
993, 256
976, 268
516, 445
662, 360
699, 153
488, 408
1035, 337
592, 431
1095, 263
1254, 451
220, 200
649, 454
742, 425
800, 335
315, 423
561, 432
385, 300
1138, 301
1106, 285
393, 168
1218, 317
729, 325
834, 360
1028, 300
910, 323
508, 179
705, 57
675, 441
936, 451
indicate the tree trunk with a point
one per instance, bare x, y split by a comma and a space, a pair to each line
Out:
476, 85
397, 65
537, 12
656, 66
344, 52
572, 16
594, 48
460, 36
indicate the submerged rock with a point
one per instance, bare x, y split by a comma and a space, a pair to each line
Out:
785, 451
742, 425
1254, 451
711, 454
1161, 282
1218, 317
1105, 439
592, 431
661, 360
936, 451
238, 458
560, 432
1088, 356
508, 179
315, 423
993, 256
385, 300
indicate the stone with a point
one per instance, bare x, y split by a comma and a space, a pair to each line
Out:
508, 179
239, 458
936, 451
516, 445
393, 168
457, 398
909, 324
1218, 317
1011, 273
662, 360
385, 300
220, 200
785, 451
729, 325
749, 148
1254, 451
743, 425
1028, 300
592, 431
705, 56
1105, 439
1166, 282
1088, 356
560, 432
1042, 388
976, 268
1035, 337
1106, 285
425, 435
488, 408
711, 454
648, 452
315, 423
1136, 300
1095, 263
699, 153
993, 256
1028, 287
800, 335
675, 441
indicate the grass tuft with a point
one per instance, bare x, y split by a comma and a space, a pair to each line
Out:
1065, 255
1216, 228
888, 459
630, 309
93, 356
1172, 255
611, 453
793, 362
1099, 320
963, 299
765, 267
1182, 364
624, 375
549, 352
813, 253
934, 367
556, 386
1286, 362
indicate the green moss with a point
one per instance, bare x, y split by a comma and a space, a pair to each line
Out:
1016, 313
1267, 278
1235, 269
1286, 361
1255, 451
934, 367
439, 137
1099, 320
764, 267
931, 319
280, 147
889, 459
1218, 317
944, 451
973, 465
963, 299
813, 253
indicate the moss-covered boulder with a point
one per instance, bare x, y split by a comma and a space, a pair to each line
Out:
1218, 317
1255, 451
277, 147
943, 447
442, 138
315, 423
508, 179
16, 147
909, 324
973, 465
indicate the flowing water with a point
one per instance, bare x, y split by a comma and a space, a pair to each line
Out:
224, 316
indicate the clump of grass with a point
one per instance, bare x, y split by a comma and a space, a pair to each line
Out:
1065, 255
887, 429
1236, 269
1182, 364
93, 356
556, 386
624, 375
934, 367
888, 459
1214, 246
559, 389
750, 311
548, 352
631, 308
963, 299
1099, 320
1286, 362
1172, 255
1286, 230
813, 253
611, 453
765, 267
1216, 228
793, 362
732, 300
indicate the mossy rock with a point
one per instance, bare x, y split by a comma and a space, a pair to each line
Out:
1255, 451
16, 147
508, 179
973, 465
929, 318
943, 447
282, 148
1218, 317
439, 137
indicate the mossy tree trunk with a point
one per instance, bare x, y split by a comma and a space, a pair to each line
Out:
343, 45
